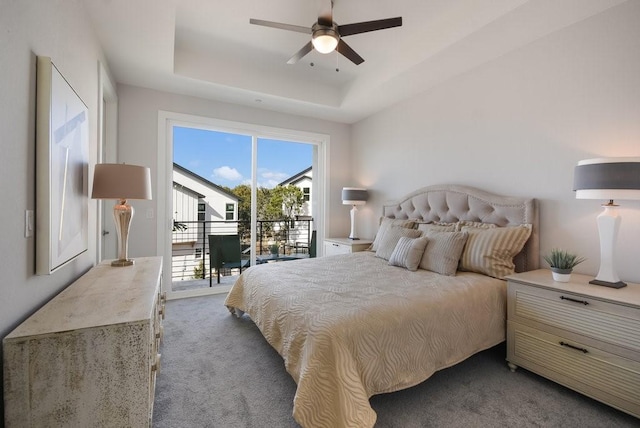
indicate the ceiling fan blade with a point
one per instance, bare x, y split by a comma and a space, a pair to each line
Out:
297, 28
365, 27
325, 14
349, 53
302, 52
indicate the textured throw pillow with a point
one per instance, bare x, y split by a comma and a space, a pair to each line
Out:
478, 224
491, 251
390, 240
437, 227
443, 252
385, 224
408, 253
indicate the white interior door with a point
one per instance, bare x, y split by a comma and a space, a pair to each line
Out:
107, 152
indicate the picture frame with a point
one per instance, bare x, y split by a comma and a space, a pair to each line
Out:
62, 146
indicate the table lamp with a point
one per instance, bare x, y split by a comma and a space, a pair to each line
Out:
354, 196
608, 178
121, 182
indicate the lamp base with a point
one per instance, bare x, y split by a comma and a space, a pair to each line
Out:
618, 284
122, 214
354, 239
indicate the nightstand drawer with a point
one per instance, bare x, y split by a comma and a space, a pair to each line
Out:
585, 368
538, 307
335, 246
332, 248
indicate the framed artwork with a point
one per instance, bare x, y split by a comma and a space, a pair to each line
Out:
62, 146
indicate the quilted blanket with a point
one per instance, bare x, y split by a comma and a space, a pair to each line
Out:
351, 326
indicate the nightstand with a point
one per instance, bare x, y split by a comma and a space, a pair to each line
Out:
333, 246
583, 336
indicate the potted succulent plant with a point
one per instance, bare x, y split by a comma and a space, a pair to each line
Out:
562, 263
274, 249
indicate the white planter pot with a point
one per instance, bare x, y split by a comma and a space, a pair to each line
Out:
561, 276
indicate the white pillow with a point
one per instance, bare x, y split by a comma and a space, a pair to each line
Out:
390, 240
408, 253
385, 224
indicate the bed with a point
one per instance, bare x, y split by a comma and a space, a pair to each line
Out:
352, 326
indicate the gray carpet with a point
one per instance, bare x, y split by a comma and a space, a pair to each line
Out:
218, 371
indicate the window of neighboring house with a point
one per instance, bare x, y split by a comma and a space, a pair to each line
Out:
306, 192
230, 210
201, 208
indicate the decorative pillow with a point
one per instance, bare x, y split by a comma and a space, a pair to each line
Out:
408, 253
491, 251
477, 224
437, 227
390, 240
443, 252
385, 224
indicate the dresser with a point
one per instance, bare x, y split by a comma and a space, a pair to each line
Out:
333, 246
89, 357
583, 336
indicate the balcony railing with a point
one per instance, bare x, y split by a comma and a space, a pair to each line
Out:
190, 247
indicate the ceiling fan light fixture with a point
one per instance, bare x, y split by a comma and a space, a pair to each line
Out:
325, 40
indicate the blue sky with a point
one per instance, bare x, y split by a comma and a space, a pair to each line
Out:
225, 159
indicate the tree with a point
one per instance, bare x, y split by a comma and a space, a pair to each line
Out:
285, 202
243, 192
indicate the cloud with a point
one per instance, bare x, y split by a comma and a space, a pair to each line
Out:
274, 175
271, 179
266, 178
227, 173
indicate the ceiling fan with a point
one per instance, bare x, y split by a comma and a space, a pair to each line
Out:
326, 35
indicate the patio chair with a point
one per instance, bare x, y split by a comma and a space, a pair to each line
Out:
225, 252
312, 245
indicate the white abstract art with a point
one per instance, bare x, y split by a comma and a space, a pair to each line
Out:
62, 143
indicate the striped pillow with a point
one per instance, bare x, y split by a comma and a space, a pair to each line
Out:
443, 252
408, 253
385, 224
390, 240
491, 251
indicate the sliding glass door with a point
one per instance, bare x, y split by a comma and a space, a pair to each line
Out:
256, 188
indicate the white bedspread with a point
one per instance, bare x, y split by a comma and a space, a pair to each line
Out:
350, 326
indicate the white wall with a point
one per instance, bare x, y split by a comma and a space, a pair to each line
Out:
58, 29
138, 144
517, 126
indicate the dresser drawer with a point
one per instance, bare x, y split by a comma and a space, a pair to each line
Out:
547, 309
583, 367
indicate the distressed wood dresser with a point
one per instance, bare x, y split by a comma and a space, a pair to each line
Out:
89, 357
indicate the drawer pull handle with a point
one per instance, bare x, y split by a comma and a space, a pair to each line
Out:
584, 351
584, 302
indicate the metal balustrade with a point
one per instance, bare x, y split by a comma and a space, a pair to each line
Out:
190, 248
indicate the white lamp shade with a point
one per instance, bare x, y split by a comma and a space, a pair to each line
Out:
354, 196
121, 181
607, 178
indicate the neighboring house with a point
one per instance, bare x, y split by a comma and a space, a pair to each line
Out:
197, 199
300, 234
204, 208
303, 180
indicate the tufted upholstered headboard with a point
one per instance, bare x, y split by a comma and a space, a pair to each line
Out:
451, 203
